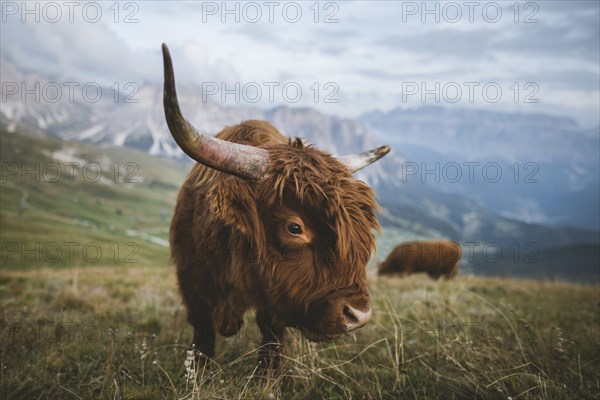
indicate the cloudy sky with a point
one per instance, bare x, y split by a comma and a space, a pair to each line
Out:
342, 58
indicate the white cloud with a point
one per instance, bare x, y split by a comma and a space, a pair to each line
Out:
369, 53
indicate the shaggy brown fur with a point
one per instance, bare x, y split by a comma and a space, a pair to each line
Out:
437, 259
233, 252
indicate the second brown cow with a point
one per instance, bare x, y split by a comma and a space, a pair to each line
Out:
435, 258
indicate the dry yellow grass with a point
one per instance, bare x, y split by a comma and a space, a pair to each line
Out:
120, 332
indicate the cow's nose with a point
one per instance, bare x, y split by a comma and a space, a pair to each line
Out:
355, 319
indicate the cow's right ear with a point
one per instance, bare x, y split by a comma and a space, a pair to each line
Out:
234, 202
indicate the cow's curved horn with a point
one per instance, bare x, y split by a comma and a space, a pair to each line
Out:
358, 161
232, 158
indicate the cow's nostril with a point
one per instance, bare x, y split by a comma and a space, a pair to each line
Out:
354, 318
350, 317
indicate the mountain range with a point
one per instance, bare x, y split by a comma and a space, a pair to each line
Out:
411, 208
549, 166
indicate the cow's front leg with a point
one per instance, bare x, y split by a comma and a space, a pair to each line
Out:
273, 333
199, 316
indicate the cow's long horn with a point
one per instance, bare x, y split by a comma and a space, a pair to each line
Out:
358, 161
232, 158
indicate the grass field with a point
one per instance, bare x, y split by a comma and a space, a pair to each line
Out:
120, 332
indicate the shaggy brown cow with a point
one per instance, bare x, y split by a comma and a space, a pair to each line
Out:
268, 223
437, 259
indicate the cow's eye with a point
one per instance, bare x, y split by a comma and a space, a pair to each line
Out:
294, 229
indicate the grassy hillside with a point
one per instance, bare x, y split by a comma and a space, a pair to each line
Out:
84, 205
114, 332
